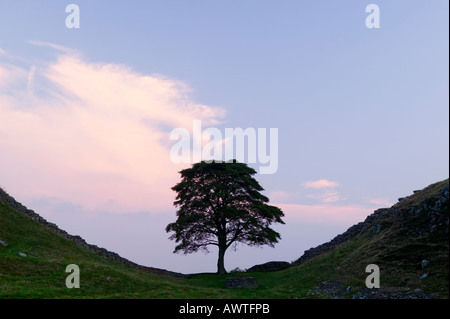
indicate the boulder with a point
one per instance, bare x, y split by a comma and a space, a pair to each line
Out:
423, 276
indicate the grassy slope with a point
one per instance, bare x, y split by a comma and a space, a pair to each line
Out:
42, 273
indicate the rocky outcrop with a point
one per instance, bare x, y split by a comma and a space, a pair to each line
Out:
391, 293
269, 266
335, 289
11, 202
433, 210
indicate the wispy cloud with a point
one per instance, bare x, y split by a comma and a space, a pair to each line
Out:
30, 80
54, 46
324, 190
380, 202
326, 214
94, 134
327, 197
11, 75
321, 183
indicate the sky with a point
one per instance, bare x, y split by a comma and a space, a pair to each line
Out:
86, 114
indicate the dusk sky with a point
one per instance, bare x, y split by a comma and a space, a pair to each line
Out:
86, 113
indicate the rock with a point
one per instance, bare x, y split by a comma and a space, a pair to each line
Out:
22, 254
269, 266
376, 229
445, 191
334, 289
401, 198
391, 293
3, 243
423, 276
425, 263
241, 283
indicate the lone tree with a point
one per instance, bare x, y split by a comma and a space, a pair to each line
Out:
220, 204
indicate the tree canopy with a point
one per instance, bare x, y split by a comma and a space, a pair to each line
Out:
220, 203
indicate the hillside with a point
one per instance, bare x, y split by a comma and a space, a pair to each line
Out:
397, 239
409, 242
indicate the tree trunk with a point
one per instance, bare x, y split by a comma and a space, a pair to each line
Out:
220, 262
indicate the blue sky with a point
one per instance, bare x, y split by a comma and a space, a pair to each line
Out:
366, 109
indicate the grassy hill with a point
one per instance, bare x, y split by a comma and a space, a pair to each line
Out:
397, 239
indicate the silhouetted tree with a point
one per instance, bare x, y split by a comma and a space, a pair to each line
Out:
220, 204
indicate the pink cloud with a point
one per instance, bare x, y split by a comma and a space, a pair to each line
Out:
321, 183
93, 135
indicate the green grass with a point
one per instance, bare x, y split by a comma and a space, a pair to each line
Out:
42, 273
